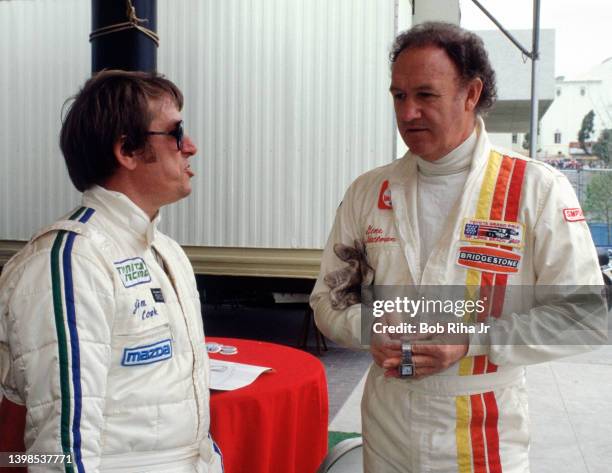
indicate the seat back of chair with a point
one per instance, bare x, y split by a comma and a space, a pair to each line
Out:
345, 457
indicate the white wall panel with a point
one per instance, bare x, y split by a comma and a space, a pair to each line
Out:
45, 57
286, 99
288, 105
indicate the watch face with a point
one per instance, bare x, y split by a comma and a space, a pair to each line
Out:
406, 370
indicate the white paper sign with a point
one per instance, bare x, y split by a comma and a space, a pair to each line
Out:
227, 375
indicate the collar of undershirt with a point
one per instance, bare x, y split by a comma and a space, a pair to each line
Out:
455, 162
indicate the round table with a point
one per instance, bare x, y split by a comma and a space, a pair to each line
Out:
278, 424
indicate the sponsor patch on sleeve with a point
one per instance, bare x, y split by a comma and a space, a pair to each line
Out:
384, 197
147, 354
492, 231
486, 258
133, 271
573, 215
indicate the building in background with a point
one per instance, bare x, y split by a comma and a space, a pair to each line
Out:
576, 96
509, 119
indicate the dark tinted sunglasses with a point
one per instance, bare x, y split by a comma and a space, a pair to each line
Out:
177, 133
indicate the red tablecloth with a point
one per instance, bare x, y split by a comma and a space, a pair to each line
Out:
278, 424
12, 425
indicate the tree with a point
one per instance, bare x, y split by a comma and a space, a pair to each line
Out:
598, 203
603, 147
527, 140
586, 130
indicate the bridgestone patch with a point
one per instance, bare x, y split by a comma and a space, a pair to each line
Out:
485, 258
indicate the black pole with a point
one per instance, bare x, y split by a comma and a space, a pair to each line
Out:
128, 49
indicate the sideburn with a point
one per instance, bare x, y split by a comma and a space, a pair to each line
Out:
148, 155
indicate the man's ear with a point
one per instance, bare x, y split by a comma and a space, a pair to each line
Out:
474, 89
126, 159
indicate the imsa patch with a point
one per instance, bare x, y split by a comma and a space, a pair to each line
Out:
486, 258
147, 354
133, 272
492, 231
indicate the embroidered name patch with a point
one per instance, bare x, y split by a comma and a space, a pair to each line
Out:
490, 259
492, 231
573, 215
133, 271
384, 197
147, 354
377, 235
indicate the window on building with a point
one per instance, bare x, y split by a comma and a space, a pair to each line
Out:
559, 92
582, 91
557, 137
514, 138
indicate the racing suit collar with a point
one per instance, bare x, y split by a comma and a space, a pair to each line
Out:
458, 160
122, 209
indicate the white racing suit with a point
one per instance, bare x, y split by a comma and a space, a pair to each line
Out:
102, 341
517, 222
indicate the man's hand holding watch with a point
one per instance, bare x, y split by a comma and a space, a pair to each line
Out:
423, 359
406, 367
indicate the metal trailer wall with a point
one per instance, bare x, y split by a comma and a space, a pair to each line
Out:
44, 57
286, 99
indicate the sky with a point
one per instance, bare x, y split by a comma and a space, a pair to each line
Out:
583, 35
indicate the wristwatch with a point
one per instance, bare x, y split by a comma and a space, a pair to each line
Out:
406, 368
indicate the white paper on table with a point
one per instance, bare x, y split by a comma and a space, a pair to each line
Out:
227, 375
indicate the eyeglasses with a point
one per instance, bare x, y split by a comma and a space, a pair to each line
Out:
177, 133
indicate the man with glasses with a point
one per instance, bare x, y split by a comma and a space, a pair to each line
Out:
101, 334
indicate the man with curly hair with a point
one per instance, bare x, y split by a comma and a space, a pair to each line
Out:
454, 211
